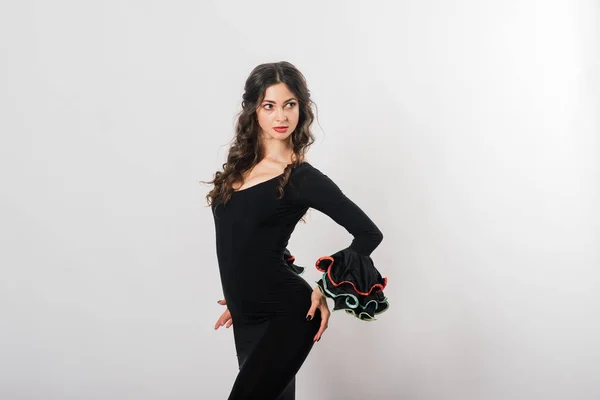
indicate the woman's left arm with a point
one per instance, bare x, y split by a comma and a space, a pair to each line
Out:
349, 275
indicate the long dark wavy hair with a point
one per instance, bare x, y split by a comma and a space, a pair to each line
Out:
246, 148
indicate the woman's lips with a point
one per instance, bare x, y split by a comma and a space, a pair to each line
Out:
281, 129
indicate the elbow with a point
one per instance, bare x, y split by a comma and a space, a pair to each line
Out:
377, 238
369, 242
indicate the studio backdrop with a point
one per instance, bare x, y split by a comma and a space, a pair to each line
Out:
467, 130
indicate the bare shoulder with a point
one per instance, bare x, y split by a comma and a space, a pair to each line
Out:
265, 170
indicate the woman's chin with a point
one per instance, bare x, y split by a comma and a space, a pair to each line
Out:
274, 135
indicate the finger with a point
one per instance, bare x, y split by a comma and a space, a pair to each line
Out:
222, 319
229, 323
311, 311
323, 327
221, 302
320, 333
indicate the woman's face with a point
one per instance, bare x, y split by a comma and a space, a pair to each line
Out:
279, 108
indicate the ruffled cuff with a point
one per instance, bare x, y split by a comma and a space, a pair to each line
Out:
353, 282
289, 260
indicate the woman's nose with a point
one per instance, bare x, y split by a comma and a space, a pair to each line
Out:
281, 114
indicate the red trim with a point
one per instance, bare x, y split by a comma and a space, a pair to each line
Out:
385, 279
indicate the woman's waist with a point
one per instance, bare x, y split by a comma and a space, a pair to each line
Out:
261, 291
254, 269
256, 283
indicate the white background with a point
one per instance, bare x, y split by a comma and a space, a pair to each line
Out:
467, 130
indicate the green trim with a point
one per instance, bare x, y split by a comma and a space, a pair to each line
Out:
323, 284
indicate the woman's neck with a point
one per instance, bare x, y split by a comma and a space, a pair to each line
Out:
278, 150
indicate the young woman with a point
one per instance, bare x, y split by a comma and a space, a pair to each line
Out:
264, 189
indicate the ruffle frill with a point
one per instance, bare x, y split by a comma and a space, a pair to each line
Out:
354, 284
289, 260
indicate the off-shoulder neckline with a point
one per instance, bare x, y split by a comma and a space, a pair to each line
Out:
270, 179
258, 184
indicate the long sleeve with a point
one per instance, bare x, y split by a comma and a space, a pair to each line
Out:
349, 275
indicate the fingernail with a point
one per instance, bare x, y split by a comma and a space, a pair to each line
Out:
318, 339
309, 317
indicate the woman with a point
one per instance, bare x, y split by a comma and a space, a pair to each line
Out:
265, 188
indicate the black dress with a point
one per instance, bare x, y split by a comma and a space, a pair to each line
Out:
267, 298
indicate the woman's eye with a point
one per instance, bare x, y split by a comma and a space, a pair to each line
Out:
270, 105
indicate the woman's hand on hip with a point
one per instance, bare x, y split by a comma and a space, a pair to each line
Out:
318, 300
225, 318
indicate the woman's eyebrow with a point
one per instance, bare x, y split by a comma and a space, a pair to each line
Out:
271, 101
